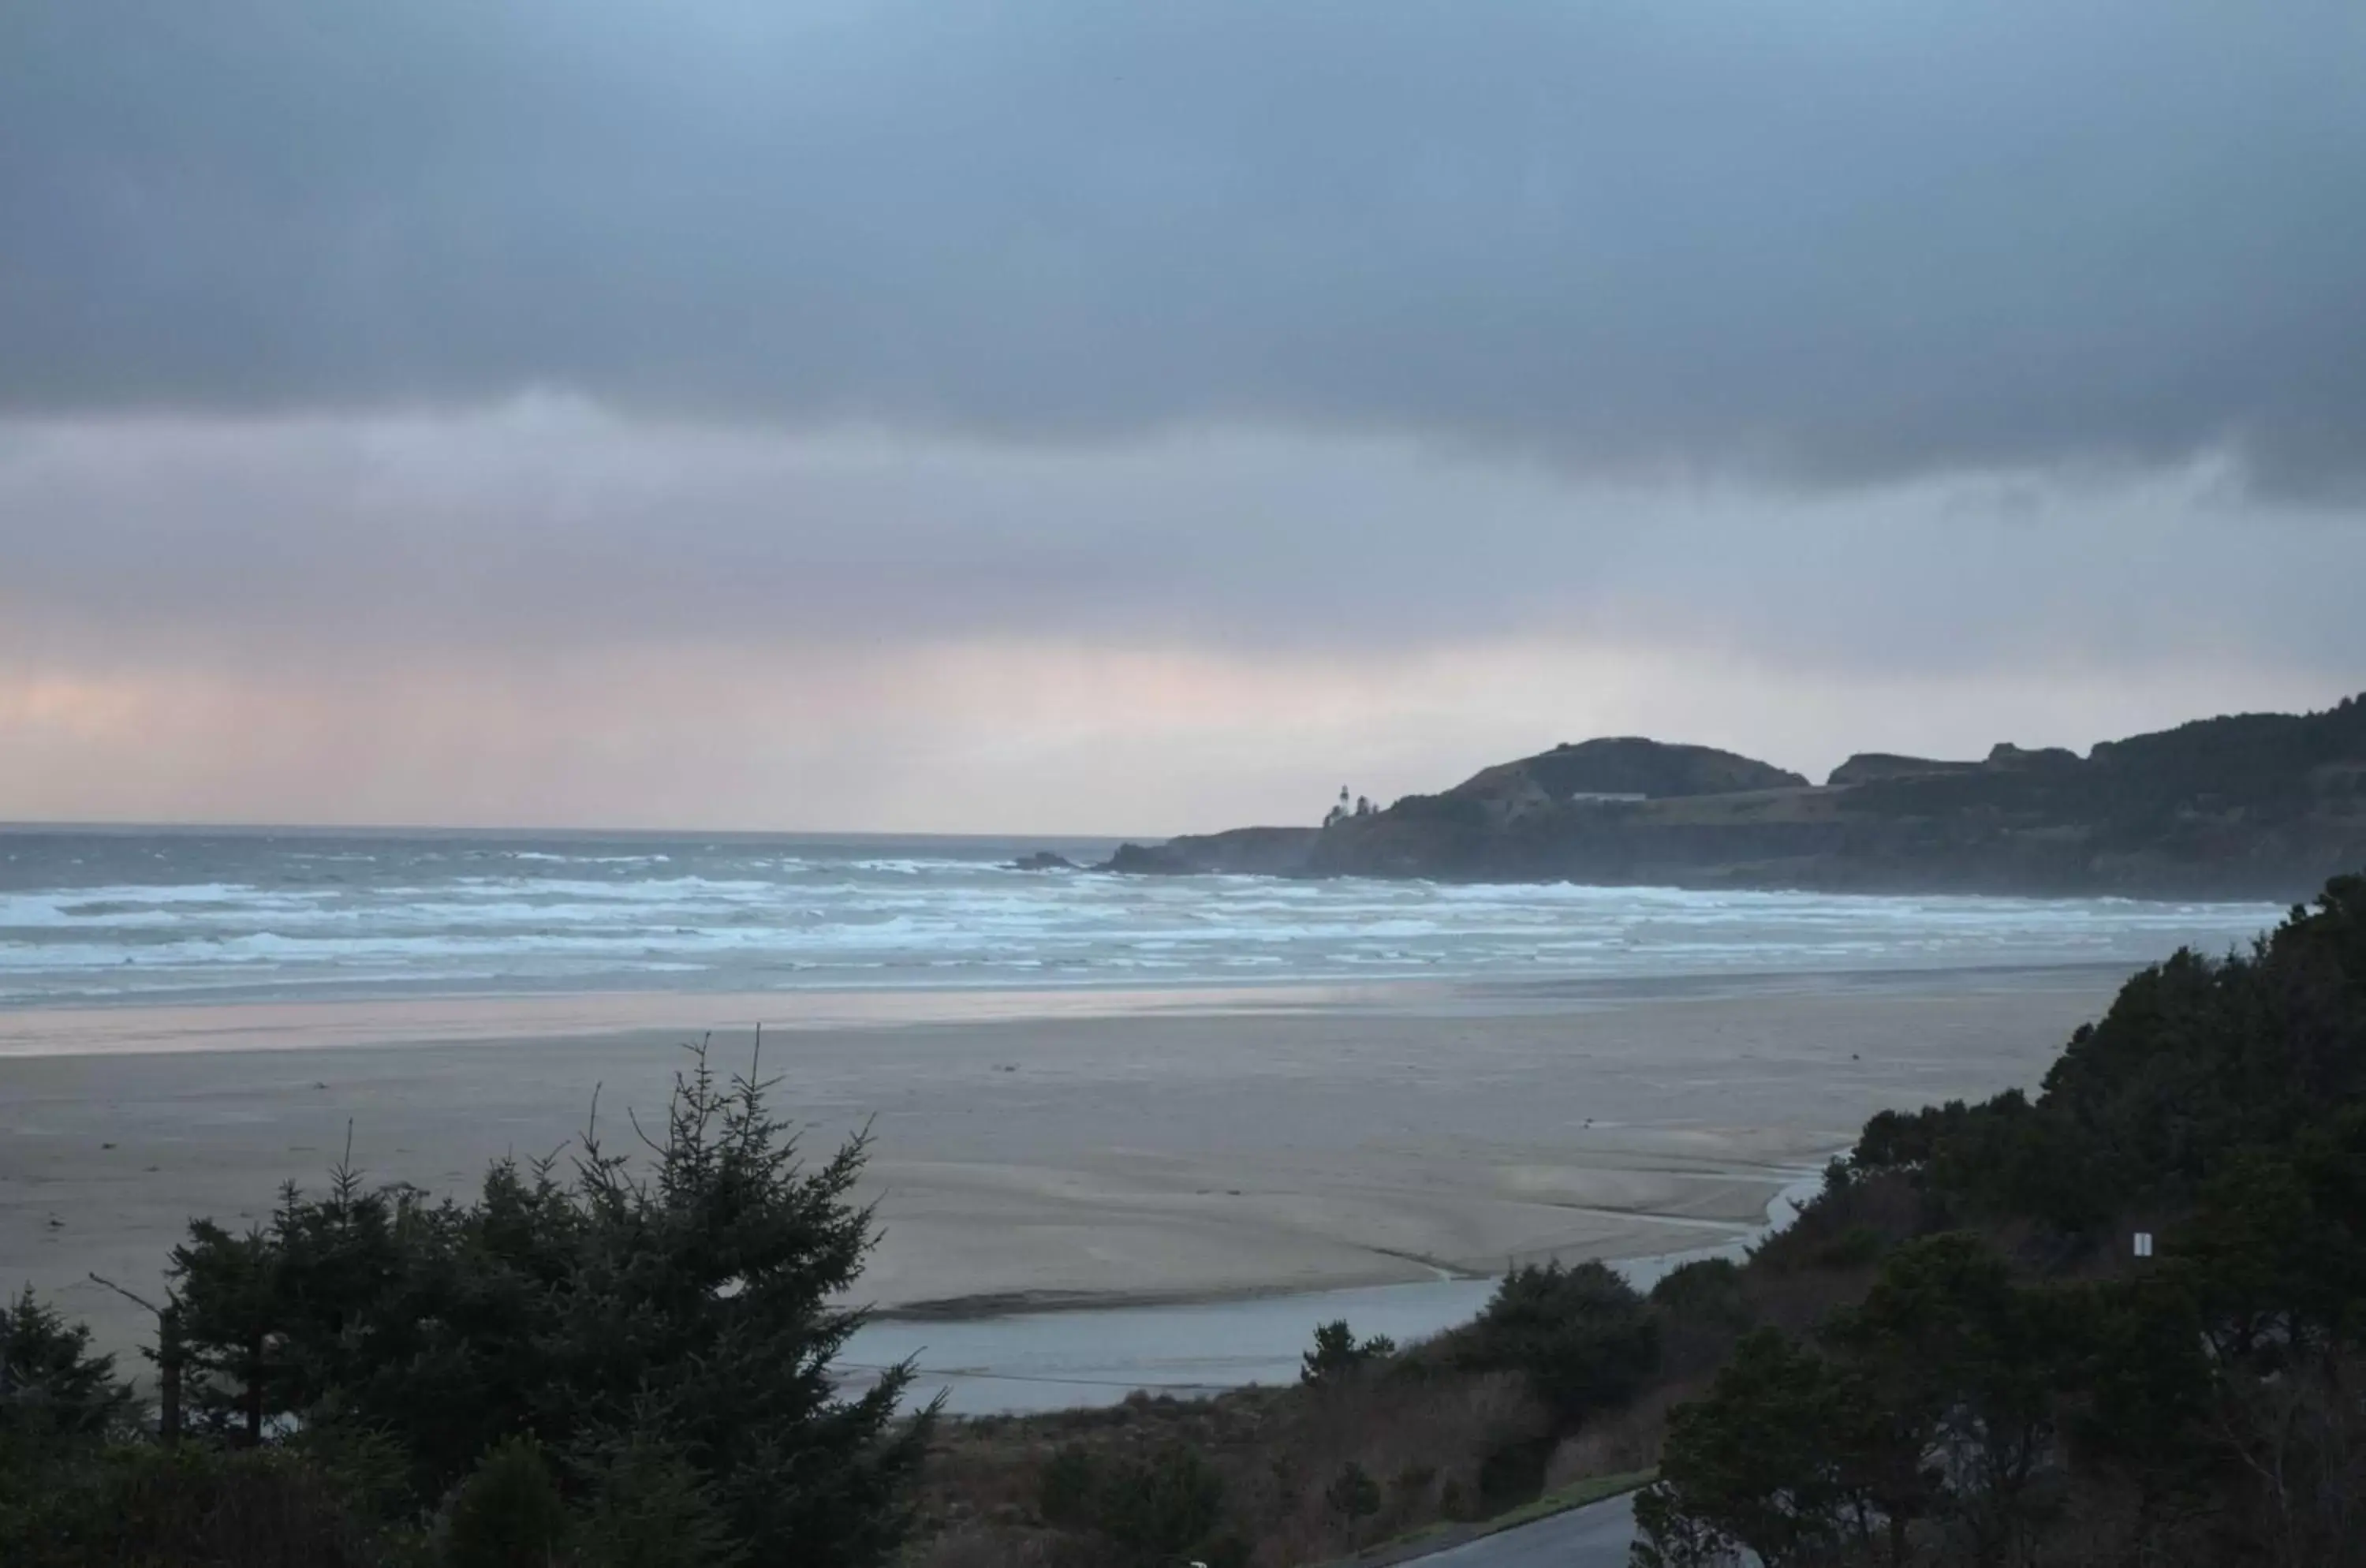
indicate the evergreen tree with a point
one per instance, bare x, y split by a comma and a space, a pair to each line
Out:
680, 1314
53, 1391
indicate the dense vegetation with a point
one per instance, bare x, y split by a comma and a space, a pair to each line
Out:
2016, 1387
1561, 1380
1372, 1443
629, 1366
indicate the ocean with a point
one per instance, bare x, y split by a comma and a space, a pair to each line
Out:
101, 916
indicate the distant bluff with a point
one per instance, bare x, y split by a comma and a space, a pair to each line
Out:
1618, 768
1623, 766
2264, 806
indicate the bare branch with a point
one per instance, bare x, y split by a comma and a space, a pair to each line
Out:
128, 1295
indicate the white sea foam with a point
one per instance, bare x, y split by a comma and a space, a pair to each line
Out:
125, 916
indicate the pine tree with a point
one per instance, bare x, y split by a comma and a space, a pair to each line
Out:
663, 1326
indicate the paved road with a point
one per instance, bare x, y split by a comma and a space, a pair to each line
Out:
1592, 1536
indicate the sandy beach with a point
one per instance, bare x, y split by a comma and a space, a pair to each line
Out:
1212, 1146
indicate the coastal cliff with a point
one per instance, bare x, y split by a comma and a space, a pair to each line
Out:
2263, 805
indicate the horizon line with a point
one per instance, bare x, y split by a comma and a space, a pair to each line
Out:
129, 824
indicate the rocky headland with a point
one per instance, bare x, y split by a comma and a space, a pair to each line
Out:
2253, 806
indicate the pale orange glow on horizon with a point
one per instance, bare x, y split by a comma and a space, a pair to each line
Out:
1001, 735
543, 613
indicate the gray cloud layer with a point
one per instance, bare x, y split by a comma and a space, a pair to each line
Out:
1844, 241
553, 528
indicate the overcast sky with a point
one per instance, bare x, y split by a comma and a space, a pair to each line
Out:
1113, 418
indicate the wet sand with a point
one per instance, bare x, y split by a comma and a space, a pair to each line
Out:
1025, 1158
1062, 1359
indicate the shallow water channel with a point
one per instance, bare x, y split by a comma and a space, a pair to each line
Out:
1054, 1360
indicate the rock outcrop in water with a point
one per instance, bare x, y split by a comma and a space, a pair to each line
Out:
2254, 806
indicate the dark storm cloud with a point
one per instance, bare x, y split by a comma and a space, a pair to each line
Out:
1845, 240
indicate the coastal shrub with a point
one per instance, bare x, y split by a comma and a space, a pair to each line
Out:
1931, 1403
1338, 1354
196, 1506
1708, 1288
507, 1513
1751, 1468
1702, 1307
652, 1508
1066, 1491
1153, 1510
1164, 1506
1513, 1472
1853, 1248
1352, 1494
1581, 1334
1411, 1484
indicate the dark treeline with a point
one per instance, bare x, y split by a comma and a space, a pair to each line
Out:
2015, 1386
627, 1366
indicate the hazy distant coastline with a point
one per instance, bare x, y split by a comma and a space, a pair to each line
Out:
2253, 807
